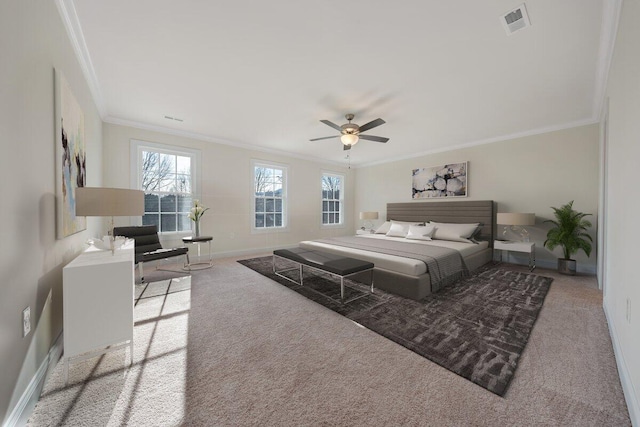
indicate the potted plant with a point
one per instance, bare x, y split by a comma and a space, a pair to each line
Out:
570, 233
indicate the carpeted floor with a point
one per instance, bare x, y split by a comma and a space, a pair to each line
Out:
236, 348
476, 328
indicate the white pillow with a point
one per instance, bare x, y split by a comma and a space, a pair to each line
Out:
454, 232
420, 232
401, 228
384, 228
408, 222
398, 230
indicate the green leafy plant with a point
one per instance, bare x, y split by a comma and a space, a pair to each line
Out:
569, 231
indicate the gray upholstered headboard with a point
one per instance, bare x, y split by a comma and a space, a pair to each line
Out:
462, 212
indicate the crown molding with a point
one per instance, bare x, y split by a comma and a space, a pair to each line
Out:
516, 135
70, 20
608, 32
206, 138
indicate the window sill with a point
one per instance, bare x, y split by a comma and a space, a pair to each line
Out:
269, 230
332, 226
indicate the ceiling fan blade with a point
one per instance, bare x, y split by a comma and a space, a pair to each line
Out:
346, 147
371, 125
333, 125
324, 137
374, 138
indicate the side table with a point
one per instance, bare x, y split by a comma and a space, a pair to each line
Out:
97, 299
524, 247
197, 241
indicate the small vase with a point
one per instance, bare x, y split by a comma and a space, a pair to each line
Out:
197, 228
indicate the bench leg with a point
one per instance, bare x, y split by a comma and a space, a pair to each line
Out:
279, 272
342, 289
141, 272
371, 280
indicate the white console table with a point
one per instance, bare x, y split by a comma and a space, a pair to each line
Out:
524, 247
98, 289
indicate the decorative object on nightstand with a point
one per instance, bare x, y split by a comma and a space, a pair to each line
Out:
102, 201
367, 217
195, 214
361, 232
524, 247
514, 222
570, 232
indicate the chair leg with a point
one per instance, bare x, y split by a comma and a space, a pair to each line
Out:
141, 272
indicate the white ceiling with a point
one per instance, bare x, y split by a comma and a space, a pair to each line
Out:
263, 73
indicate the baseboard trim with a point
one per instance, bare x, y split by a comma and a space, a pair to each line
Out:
630, 396
23, 409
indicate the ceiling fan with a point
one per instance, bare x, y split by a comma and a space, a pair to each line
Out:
350, 133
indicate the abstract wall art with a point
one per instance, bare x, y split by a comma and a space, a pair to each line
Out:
71, 170
440, 181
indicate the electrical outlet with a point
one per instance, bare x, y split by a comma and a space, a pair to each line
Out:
26, 321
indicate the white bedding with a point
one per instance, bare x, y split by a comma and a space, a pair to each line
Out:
412, 267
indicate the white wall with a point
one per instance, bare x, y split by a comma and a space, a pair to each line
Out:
621, 278
528, 174
226, 190
32, 42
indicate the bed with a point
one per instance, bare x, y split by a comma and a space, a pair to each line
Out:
409, 276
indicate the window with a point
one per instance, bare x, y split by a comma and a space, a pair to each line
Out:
167, 175
332, 199
270, 196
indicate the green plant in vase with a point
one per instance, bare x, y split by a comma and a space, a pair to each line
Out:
569, 232
196, 214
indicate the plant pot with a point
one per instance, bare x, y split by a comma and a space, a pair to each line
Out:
567, 266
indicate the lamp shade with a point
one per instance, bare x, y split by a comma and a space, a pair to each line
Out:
368, 215
100, 201
512, 218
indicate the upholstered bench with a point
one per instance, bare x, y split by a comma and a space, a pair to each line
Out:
336, 265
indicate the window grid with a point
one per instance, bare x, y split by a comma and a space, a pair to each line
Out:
269, 196
332, 199
167, 181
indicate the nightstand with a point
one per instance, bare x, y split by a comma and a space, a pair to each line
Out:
360, 231
524, 247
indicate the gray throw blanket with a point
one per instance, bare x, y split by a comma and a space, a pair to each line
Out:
444, 265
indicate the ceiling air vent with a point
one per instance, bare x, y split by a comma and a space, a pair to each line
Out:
515, 20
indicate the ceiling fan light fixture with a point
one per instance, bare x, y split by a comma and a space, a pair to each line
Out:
349, 139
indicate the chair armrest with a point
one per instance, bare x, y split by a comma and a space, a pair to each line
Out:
161, 254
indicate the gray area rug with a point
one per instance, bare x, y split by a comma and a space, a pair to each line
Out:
476, 328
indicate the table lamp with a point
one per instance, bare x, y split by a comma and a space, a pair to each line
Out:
102, 201
367, 217
515, 221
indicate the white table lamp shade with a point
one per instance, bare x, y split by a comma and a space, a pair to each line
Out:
100, 201
368, 215
512, 218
